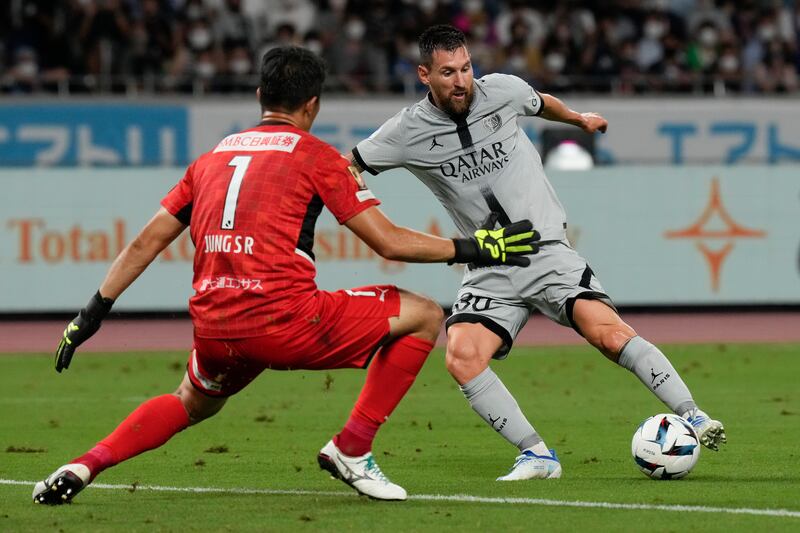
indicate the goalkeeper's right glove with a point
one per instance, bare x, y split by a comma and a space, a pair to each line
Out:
505, 246
81, 328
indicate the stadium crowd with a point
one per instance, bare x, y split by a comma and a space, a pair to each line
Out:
200, 46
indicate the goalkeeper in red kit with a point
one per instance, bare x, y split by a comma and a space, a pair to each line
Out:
251, 205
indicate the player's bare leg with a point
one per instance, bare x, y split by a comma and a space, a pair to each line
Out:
198, 406
470, 347
149, 426
604, 329
348, 456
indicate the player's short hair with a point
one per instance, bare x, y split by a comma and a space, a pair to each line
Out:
290, 77
439, 37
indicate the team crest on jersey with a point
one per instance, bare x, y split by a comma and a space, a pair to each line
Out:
357, 176
493, 122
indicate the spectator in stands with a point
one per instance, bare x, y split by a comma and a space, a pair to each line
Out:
285, 35
599, 57
104, 32
152, 39
475, 19
23, 76
522, 58
238, 68
300, 14
195, 9
404, 68
356, 64
516, 10
571, 45
204, 70
650, 49
313, 42
777, 71
728, 70
233, 27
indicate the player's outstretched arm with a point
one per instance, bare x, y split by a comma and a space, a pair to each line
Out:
505, 246
162, 229
556, 110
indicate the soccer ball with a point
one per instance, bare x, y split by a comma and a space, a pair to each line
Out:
665, 447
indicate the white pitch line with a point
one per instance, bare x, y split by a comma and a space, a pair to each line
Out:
462, 498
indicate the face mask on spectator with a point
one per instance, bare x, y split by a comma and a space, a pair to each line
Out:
473, 7
27, 68
205, 69
767, 32
427, 6
672, 72
729, 63
240, 66
480, 31
315, 46
194, 11
138, 37
708, 37
355, 30
654, 29
517, 62
199, 38
555, 61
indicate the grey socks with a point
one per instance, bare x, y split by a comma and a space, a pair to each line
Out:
494, 403
653, 369
491, 400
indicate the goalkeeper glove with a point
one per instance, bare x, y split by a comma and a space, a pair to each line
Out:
505, 246
81, 328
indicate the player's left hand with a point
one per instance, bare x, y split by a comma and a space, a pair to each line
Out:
508, 245
81, 328
593, 122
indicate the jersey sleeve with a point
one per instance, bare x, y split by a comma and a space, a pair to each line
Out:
342, 189
385, 148
521, 96
178, 201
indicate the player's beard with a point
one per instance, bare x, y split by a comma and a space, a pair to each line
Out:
454, 108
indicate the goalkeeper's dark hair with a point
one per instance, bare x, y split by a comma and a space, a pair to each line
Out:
440, 37
290, 77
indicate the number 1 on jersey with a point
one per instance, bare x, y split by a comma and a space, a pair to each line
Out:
240, 164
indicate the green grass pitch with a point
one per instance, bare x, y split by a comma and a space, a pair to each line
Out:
268, 436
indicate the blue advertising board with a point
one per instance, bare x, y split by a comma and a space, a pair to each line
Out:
93, 135
147, 133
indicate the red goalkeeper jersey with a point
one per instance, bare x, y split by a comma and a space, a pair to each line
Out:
251, 204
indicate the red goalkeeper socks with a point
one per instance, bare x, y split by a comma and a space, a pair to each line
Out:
390, 375
152, 424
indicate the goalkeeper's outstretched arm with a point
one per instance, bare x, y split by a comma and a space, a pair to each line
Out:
505, 246
162, 229
398, 243
156, 235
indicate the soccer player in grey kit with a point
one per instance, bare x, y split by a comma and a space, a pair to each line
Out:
464, 143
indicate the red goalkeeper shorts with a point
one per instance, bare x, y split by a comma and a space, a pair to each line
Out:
341, 329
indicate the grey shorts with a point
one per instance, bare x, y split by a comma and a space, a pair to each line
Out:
502, 298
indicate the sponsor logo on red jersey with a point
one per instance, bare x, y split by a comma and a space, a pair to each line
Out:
258, 141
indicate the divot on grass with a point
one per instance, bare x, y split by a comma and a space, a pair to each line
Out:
217, 449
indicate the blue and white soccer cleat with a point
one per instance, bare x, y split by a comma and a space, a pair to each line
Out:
62, 485
528, 465
710, 432
362, 473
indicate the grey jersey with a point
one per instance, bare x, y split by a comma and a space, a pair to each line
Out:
477, 164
